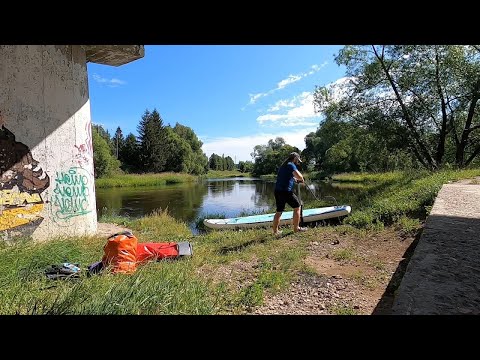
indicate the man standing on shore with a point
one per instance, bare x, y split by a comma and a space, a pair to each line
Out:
287, 175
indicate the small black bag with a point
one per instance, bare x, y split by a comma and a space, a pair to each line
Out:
63, 271
95, 268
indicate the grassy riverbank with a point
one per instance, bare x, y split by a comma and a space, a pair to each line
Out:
232, 272
393, 197
136, 180
217, 174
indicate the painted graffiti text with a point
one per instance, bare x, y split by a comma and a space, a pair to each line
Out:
71, 195
14, 198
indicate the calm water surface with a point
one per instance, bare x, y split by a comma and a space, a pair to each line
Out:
211, 198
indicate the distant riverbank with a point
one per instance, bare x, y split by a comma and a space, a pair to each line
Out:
134, 180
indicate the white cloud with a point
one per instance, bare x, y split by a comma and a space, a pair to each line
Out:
315, 68
285, 82
109, 82
301, 112
255, 97
117, 81
239, 149
290, 80
281, 104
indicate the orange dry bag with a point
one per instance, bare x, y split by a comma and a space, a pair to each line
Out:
120, 253
166, 250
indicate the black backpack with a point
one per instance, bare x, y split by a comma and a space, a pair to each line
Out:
63, 271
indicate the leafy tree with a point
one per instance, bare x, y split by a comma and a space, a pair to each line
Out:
105, 135
199, 163
194, 161
215, 162
364, 144
189, 136
103, 160
425, 95
178, 153
245, 166
228, 163
268, 158
276, 144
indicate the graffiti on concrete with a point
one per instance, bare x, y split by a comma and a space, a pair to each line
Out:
71, 194
81, 157
22, 181
88, 130
84, 155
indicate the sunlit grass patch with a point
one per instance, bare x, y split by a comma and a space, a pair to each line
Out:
378, 264
408, 225
158, 226
343, 254
343, 309
165, 287
369, 177
219, 174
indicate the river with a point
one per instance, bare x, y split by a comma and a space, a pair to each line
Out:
226, 197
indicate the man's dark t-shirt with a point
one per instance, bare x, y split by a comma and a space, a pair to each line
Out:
285, 177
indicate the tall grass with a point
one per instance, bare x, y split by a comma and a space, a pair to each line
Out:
191, 285
164, 287
134, 180
398, 195
375, 177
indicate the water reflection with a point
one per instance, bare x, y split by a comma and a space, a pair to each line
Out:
234, 196
182, 200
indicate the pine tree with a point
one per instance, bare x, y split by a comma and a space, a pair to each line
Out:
118, 142
152, 138
129, 154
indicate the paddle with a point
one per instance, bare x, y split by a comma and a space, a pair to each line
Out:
313, 194
301, 206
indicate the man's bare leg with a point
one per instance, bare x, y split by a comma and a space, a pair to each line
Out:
276, 222
296, 219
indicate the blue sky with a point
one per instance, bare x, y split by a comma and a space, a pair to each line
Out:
232, 96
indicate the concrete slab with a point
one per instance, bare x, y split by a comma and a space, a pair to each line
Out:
114, 55
443, 275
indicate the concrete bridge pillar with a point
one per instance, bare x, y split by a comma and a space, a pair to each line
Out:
47, 184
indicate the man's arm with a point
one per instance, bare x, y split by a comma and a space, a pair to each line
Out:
298, 176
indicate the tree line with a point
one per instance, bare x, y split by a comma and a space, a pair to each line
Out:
158, 148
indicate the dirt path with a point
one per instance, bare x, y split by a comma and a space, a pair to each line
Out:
351, 276
355, 276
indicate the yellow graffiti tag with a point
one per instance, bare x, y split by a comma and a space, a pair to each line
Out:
20, 216
9, 197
